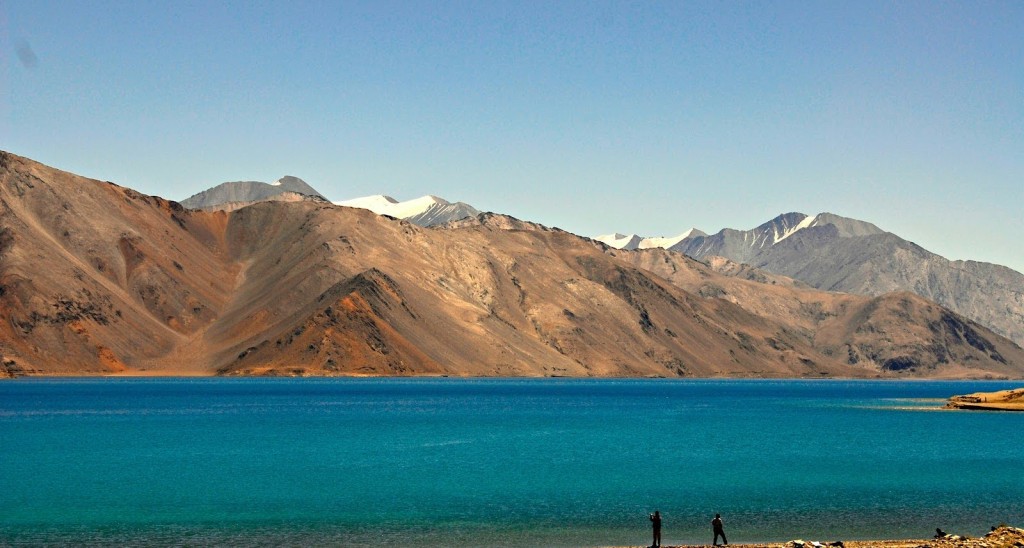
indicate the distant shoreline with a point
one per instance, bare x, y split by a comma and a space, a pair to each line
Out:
1002, 400
141, 374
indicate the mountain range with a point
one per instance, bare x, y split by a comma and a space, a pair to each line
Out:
632, 241
835, 253
99, 279
826, 251
424, 211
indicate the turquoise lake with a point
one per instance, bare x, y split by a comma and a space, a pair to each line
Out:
444, 462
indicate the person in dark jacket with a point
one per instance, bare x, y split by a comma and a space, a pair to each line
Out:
716, 524
656, 528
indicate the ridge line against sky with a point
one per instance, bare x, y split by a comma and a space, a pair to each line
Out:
595, 117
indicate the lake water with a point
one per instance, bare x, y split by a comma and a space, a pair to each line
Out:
445, 462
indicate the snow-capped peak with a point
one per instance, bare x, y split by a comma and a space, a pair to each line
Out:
386, 205
620, 241
667, 242
632, 241
416, 206
378, 204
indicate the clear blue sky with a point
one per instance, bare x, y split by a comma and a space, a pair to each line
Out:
594, 117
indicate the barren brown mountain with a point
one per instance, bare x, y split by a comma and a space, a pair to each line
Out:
98, 279
897, 333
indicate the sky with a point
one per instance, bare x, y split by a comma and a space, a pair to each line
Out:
595, 117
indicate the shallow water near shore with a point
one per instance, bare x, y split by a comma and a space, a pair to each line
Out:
506, 462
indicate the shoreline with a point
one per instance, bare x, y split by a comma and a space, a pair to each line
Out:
185, 374
1002, 400
891, 543
999, 537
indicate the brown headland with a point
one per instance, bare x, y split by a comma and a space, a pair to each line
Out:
1003, 400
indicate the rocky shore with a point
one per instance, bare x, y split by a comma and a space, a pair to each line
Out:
999, 537
1004, 400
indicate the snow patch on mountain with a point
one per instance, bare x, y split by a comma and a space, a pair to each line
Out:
668, 242
620, 241
386, 205
632, 241
423, 211
439, 214
807, 222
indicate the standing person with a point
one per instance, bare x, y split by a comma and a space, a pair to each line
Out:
716, 524
656, 528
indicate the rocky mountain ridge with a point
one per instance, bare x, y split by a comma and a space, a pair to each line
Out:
826, 251
98, 279
230, 195
836, 253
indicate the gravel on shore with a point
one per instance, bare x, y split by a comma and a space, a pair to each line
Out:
1000, 537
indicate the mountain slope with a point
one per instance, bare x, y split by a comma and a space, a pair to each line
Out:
893, 333
485, 297
98, 279
92, 273
880, 262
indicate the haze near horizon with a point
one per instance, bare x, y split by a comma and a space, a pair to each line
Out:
593, 117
